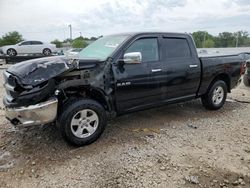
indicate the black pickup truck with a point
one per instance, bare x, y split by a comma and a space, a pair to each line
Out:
115, 75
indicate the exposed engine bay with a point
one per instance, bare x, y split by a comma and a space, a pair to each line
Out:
34, 81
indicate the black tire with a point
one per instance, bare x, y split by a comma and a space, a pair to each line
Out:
74, 107
220, 98
47, 52
11, 52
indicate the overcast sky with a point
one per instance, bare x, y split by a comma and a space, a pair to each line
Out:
49, 19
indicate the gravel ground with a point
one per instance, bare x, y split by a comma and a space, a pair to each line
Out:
181, 145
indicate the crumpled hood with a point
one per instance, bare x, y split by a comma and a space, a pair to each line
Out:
36, 71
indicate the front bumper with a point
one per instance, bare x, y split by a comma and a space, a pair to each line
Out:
37, 114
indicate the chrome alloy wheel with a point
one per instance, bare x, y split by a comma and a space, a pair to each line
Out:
84, 123
218, 95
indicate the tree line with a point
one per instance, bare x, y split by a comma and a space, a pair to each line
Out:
79, 42
225, 39
202, 39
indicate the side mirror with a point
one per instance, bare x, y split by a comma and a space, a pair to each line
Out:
132, 58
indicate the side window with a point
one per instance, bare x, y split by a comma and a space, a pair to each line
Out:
36, 43
177, 48
148, 48
26, 43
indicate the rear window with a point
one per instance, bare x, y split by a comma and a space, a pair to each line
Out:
36, 42
177, 48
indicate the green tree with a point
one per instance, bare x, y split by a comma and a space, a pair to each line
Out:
67, 40
57, 43
225, 39
93, 38
11, 38
247, 42
209, 43
242, 38
79, 43
203, 39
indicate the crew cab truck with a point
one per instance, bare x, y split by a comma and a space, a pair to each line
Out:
115, 75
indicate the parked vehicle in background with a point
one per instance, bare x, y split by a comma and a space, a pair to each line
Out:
202, 51
29, 47
115, 75
73, 52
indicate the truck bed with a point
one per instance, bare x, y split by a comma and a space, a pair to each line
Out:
212, 65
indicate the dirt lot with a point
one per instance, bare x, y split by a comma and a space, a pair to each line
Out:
180, 145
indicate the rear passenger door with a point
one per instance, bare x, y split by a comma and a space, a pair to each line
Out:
37, 47
182, 68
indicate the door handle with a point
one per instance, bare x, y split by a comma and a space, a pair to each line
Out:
156, 70
193, 66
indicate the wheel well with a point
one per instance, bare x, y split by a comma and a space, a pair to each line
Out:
46, 49
99, 97
89, 93
10, 49
224, 77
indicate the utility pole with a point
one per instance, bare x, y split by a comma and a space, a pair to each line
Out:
237, 40
70, 32
204, 40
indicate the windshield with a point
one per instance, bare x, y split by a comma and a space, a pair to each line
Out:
102, 48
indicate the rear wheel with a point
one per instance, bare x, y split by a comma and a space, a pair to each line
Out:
11, 52
82, 121
215, 98
47, 52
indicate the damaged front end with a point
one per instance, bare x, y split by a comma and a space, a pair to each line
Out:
30, 82
30, 90
32, 87
41, 113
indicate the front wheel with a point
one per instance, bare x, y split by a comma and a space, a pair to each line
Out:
82, 122
216, 96
11, 52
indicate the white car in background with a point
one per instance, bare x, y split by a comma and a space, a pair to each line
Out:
29, 47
